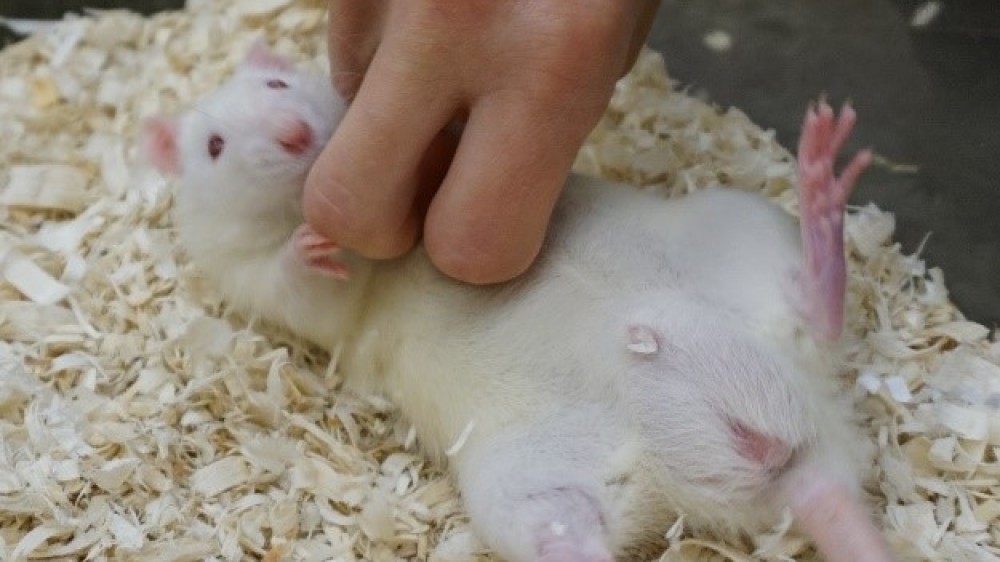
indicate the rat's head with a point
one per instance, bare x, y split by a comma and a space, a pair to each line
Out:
251, 142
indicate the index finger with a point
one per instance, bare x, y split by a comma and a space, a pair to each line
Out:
362, 189
353, 35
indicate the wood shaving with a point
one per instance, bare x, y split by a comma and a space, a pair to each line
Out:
52, 187
139, 421
718, 40
462, 438
925, 13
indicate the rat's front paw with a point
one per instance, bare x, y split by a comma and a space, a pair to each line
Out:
317, 252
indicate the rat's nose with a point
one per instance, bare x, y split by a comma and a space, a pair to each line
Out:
295, 136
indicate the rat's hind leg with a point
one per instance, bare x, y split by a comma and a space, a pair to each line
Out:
538, 497
822, 198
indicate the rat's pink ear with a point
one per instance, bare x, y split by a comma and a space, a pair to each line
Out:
158, 143
261, 56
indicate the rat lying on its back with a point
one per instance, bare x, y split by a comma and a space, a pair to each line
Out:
244, 154
660, 356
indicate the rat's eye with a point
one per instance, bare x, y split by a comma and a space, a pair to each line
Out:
215, 145
277, 84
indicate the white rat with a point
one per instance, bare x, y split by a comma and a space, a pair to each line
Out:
661, 356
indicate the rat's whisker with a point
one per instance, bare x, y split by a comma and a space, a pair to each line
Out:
211, 117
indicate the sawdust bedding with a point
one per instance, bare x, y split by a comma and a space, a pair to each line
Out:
140, 421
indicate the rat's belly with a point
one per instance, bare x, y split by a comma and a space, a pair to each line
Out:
454, 355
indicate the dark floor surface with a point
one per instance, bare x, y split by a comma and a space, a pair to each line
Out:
927, 96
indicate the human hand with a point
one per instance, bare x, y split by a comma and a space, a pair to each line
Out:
529, 78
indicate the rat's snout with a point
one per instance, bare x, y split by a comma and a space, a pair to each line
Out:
293, 134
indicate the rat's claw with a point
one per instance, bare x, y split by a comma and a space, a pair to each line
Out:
316, 251
329, 267
845, 124
312, 242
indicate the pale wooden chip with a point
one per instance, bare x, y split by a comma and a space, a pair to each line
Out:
33, 281
46, 187
220, 476
961, 332
28, 321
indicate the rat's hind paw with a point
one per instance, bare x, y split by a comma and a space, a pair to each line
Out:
555, 548
561, 524
821, 193
316, 252
571, 526
822, 199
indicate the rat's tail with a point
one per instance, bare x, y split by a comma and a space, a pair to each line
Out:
833, 515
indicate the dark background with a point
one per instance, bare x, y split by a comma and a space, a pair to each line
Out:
927, 96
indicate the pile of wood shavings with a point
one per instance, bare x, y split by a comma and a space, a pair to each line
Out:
139, 421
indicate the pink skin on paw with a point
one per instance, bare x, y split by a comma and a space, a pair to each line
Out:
555, 548
574, 533
822, 198
317, 251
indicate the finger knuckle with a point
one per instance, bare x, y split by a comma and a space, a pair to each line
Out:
478, 259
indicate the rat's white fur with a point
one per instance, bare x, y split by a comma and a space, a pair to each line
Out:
579, 447
545, 360
261, 184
